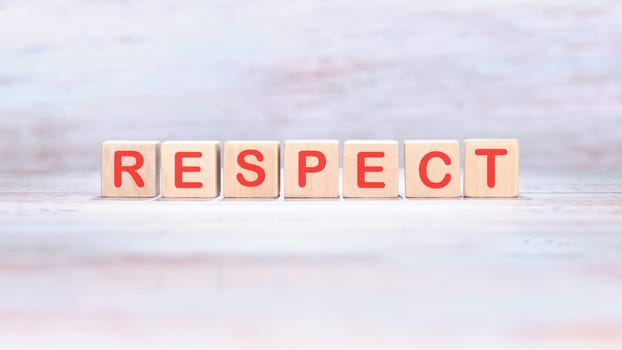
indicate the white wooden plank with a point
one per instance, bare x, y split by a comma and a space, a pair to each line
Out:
539, 271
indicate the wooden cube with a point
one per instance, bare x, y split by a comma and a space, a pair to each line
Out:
130, 168
432, 168
491, 168
370, 169
190, 169
251, 169
311, 169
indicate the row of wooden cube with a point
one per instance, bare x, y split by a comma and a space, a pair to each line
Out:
251, 169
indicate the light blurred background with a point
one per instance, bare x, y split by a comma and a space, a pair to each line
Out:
76, 72
538, 272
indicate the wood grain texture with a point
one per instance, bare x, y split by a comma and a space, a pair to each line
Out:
435, 170
205, 164
478, 179
538, 271
322, 183
383, 169
269, 152
148, 156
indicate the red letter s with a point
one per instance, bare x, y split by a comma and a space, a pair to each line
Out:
261, 174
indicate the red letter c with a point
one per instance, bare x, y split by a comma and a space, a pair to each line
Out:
423, 169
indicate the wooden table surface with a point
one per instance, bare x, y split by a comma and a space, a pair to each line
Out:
540, 271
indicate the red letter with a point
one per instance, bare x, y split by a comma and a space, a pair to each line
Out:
131, 169
179, 169
302, 165
491, 153
261, 174
423, 169
362, 169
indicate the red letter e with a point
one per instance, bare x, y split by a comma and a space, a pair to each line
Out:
180, 169
362, 169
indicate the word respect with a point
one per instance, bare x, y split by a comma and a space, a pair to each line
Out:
252, 169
